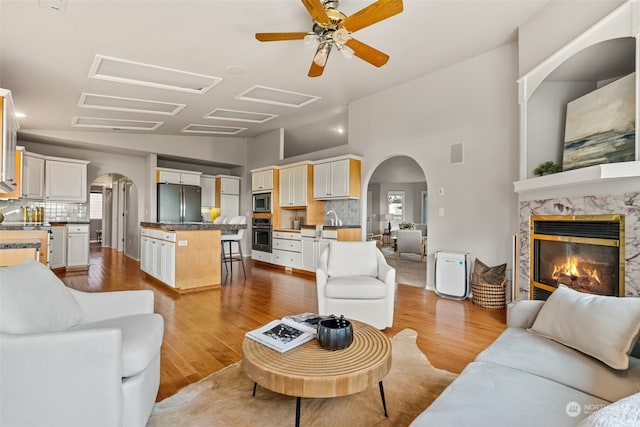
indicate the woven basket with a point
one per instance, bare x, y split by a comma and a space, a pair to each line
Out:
489, 296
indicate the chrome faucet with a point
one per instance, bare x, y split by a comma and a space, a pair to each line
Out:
336, 221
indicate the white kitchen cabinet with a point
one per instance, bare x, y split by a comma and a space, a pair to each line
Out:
311, 250
158, 255
293, 186
228, 195
65, 180
208, 184
229, 185
286, 249
33, 176
337, 179
262, 180
78, 245
8, 138
175, 176
58, 247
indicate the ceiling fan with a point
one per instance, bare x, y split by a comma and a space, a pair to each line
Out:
333, 28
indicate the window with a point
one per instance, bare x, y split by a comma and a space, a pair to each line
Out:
395, 201
95, 206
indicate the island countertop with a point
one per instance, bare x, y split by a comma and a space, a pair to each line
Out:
192, 226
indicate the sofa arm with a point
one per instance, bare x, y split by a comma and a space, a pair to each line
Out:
107, 305
522, 314
61, 379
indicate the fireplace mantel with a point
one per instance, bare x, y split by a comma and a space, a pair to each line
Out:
609, 172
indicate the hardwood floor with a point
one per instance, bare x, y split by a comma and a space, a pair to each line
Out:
204, 330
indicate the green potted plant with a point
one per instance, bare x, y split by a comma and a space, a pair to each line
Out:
547, 168
406, 226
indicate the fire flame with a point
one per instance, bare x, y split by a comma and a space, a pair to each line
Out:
572, 267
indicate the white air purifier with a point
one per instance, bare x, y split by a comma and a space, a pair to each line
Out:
452, 274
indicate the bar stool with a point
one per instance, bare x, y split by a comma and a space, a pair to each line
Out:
234, 237
220, 220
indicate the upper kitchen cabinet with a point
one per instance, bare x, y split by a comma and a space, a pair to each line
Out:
262, 180
293, 186
19, 162
228, 195
174, 176
337, 178
8, 131
32, 176
65, 180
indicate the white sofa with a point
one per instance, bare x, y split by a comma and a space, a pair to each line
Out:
354, 279
70, 358
525, 379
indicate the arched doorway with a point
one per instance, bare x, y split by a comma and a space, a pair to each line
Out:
114, 223
397, 197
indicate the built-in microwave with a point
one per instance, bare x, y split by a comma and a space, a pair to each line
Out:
262, 202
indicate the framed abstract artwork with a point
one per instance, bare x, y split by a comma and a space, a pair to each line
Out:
600, 126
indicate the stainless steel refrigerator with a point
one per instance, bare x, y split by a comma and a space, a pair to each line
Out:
179, 203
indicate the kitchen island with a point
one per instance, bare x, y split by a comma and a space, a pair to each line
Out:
23, 240
184, 256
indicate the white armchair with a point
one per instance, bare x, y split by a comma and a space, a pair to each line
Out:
410, 241
70, 358
354, 279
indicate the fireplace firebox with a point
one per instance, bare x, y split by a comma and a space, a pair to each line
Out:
583, 252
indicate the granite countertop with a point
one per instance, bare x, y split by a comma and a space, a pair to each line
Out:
27, 226
19, 244
191, 226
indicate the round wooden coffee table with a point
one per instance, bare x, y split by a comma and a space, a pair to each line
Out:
313, 372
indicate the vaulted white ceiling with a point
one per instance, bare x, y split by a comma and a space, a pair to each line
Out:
46, 58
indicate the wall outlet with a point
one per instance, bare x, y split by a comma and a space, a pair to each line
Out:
441, 191
440, 211
288, 270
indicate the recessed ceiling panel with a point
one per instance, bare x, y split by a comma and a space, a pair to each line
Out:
137, 73
218, 130
115, 124
239, 116
269, 95
104, 102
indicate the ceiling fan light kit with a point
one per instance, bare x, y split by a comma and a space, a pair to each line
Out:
333, 28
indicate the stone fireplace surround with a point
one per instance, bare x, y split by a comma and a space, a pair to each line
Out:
627, 204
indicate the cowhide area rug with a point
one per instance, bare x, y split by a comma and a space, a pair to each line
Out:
224, 397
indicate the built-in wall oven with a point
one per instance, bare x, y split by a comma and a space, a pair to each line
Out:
261, 234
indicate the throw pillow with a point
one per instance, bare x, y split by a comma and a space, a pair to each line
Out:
602, 327
491, 275
623, 413
34, 300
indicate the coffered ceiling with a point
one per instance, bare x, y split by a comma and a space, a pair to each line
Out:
182, 67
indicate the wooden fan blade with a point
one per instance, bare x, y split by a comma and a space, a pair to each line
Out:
317, 12
315, 70
375, 12
276, 37
367, 53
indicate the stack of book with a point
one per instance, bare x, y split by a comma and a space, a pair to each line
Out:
287, 333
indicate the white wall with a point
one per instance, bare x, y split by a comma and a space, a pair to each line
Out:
555, 25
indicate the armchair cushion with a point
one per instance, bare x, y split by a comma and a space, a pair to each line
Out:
356, 287
141, 339
34, 300
353, 259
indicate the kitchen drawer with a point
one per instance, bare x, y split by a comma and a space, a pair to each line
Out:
262, 256
286, 235
286, 258
78, 228
171, 237
329, 234
287, 245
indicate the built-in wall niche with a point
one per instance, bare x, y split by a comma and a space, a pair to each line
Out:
582, 73
603, 53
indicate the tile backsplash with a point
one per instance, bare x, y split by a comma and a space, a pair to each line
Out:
53, 211
347, 210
